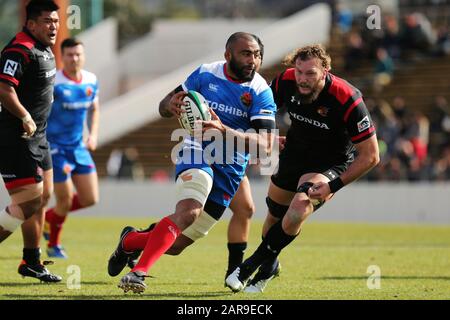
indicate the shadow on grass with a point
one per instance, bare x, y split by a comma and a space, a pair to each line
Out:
27, 284
156, 296
389, 278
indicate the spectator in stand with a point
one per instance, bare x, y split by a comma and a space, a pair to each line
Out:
384, 69
160, 175
441, 167
391, 37
355, 51
395, 171
401, 112
125, 165
442, 47
439, 125
414, 38
418, 134
388, 129
344, 18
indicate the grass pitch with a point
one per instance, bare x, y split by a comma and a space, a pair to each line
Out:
328, 261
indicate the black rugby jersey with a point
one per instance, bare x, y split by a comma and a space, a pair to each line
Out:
327, 129
28, 66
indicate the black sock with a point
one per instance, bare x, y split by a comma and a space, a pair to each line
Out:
31, 256
275, 240
269, 265
235, 255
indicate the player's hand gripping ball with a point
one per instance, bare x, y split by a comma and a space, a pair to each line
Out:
196, 109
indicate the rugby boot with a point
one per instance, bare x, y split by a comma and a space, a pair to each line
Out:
38, 271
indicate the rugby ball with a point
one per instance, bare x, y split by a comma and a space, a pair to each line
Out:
196, 108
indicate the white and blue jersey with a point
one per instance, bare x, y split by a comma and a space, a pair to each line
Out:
239, 106
72, 101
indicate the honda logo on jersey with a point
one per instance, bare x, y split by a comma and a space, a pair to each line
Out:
10, 67
315, 123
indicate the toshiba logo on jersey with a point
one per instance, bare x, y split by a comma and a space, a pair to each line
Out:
77, 105
315, 123
227, 109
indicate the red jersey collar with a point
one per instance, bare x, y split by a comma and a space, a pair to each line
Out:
72, 79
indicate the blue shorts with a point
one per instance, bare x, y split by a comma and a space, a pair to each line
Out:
67, 162
225, 178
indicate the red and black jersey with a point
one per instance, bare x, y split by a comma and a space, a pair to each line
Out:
327, 129
28, 66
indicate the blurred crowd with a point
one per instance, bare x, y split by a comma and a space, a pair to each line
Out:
398, 41
413, 146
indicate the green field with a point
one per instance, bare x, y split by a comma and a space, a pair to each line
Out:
328, 261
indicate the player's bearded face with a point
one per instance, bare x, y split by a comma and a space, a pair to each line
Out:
309, 76
244, 71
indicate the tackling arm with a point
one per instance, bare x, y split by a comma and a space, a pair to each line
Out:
367, 158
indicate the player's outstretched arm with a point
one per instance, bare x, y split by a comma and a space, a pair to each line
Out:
171, 105
367, 158
10, 101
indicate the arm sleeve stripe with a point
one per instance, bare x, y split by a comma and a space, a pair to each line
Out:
10, 79
350, 109
184, 87
22, 52
362, 135
262, 118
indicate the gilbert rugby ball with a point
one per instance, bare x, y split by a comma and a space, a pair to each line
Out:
196, 108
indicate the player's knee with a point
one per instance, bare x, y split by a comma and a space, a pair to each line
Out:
45, 199
31, 207
64, 203
90, 201
299, 208
189, 216
186, 214
246, 211
29, 199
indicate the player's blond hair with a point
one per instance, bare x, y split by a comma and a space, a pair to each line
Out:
308, 52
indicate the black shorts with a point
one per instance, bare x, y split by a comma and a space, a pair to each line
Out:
24, 162
291, 168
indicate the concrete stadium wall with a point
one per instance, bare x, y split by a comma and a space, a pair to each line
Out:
174, 43
102, 57
359, 202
